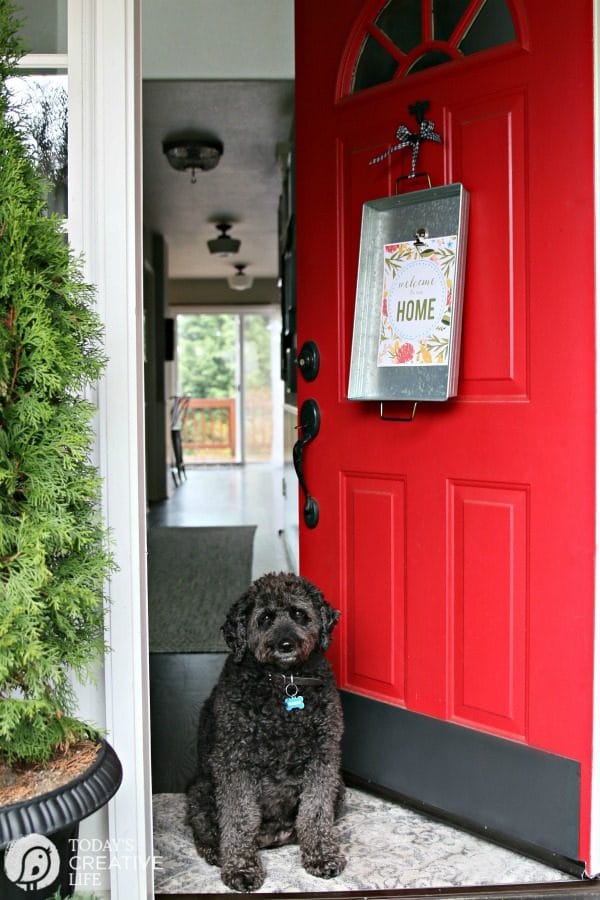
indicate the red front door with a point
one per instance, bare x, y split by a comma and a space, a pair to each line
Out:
460, 545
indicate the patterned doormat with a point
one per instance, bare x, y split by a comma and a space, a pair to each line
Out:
388, 847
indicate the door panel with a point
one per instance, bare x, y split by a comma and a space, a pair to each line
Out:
486, 139
488, 532
460, 546
374, 513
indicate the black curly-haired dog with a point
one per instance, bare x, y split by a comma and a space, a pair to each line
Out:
269, 737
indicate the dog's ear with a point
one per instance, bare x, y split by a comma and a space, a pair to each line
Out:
327, 613
329, 617
235, 626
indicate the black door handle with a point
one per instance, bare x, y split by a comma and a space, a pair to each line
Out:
310, 422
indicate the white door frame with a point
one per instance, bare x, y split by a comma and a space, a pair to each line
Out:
105, 222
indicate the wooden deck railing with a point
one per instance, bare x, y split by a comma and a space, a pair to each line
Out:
208, 430
210, 425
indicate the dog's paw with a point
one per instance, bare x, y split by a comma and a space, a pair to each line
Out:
247, 875
210, 854
324, 865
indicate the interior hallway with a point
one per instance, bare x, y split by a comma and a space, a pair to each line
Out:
232, 495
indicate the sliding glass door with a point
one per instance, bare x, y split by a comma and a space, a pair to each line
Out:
225, 374
258, 407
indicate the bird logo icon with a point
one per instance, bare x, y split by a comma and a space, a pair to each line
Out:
35, 865
32, 862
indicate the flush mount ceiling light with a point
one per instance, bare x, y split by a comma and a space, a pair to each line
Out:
240, 281
223, 245
192, 153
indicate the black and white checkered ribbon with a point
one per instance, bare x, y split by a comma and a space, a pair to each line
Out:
407, 138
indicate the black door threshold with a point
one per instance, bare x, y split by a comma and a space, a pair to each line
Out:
573, 890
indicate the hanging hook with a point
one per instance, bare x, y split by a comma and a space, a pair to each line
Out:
420, 233
406, 418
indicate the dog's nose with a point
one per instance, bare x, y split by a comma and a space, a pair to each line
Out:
285, 646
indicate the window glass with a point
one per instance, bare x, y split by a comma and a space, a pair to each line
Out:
39, 105
492, 26
446, 16
400, 20
429, 60
375, 65
258, 381
44, 25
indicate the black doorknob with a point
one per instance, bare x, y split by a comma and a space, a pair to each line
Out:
309, 360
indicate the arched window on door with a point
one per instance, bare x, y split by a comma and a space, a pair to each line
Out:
406, 36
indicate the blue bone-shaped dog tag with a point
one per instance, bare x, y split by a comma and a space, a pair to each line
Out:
296, 702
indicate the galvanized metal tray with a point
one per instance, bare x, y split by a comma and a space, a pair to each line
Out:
409, 296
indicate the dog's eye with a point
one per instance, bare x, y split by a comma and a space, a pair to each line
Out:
265, 619
298, 615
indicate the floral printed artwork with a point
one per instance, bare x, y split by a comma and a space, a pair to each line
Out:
416, 311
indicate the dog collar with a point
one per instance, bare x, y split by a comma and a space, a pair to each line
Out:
289, 680
293, 699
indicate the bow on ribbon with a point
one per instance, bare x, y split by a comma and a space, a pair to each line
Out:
407, 138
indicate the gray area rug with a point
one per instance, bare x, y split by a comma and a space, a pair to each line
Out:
194, 575
388, 847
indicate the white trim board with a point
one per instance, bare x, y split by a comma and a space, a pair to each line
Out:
105, 221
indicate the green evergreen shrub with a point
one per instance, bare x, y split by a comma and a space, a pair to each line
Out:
54, 552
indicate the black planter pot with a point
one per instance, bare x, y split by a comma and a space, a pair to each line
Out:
54, 816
